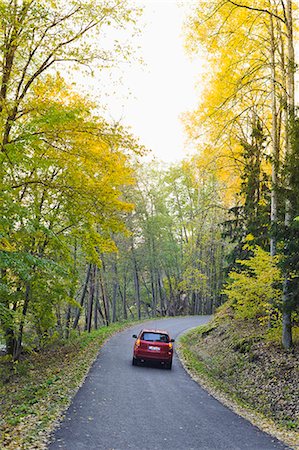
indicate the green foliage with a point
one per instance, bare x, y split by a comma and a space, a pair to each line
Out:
175, 244
250, 214
288, 234
193, 280
254, 290
6, 315
62, 174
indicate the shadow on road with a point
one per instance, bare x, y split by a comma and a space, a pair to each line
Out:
151, 365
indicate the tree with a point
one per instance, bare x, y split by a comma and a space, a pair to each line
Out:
258, 37
62, 168
65, 188
252, 290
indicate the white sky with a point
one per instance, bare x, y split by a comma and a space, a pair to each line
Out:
163, 88
166, 87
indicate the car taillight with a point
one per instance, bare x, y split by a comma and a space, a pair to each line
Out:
170, 346
137, 344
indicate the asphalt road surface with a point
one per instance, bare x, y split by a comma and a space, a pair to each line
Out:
122, 407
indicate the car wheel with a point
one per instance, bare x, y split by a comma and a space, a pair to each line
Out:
169, 365
134, 362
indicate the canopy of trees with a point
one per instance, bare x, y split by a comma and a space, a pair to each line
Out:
89, 235
63, 168
248, 118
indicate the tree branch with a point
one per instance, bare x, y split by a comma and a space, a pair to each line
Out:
252, 8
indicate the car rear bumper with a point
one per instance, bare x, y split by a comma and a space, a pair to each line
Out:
152, 356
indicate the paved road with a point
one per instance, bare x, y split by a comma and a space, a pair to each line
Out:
124, 407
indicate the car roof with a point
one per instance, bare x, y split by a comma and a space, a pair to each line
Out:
148, 330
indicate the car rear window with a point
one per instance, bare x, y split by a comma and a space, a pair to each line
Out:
157, 337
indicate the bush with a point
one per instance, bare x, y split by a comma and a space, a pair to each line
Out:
255, 290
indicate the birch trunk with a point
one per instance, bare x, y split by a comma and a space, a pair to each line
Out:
136, 283
275, 144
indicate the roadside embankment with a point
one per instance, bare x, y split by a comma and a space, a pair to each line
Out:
243, 365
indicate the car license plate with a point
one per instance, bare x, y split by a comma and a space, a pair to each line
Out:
151, 347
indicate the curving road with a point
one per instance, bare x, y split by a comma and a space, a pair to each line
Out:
122, 407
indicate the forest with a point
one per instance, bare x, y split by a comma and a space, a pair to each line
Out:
91, 233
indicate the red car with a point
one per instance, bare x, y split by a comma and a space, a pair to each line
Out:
153, 345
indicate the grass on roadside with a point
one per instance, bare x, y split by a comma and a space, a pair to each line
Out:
42, 386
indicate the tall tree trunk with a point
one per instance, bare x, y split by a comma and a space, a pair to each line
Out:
96, 296
67, 321
95, 316
193, 303
172, 300
154, 300
136, 283
275, 144
59, 327
84, 290
18, 347
115, 290
9, 332
287, 338
72, 292
123, 296
91, 298
161, 293
137, 291
104, 299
